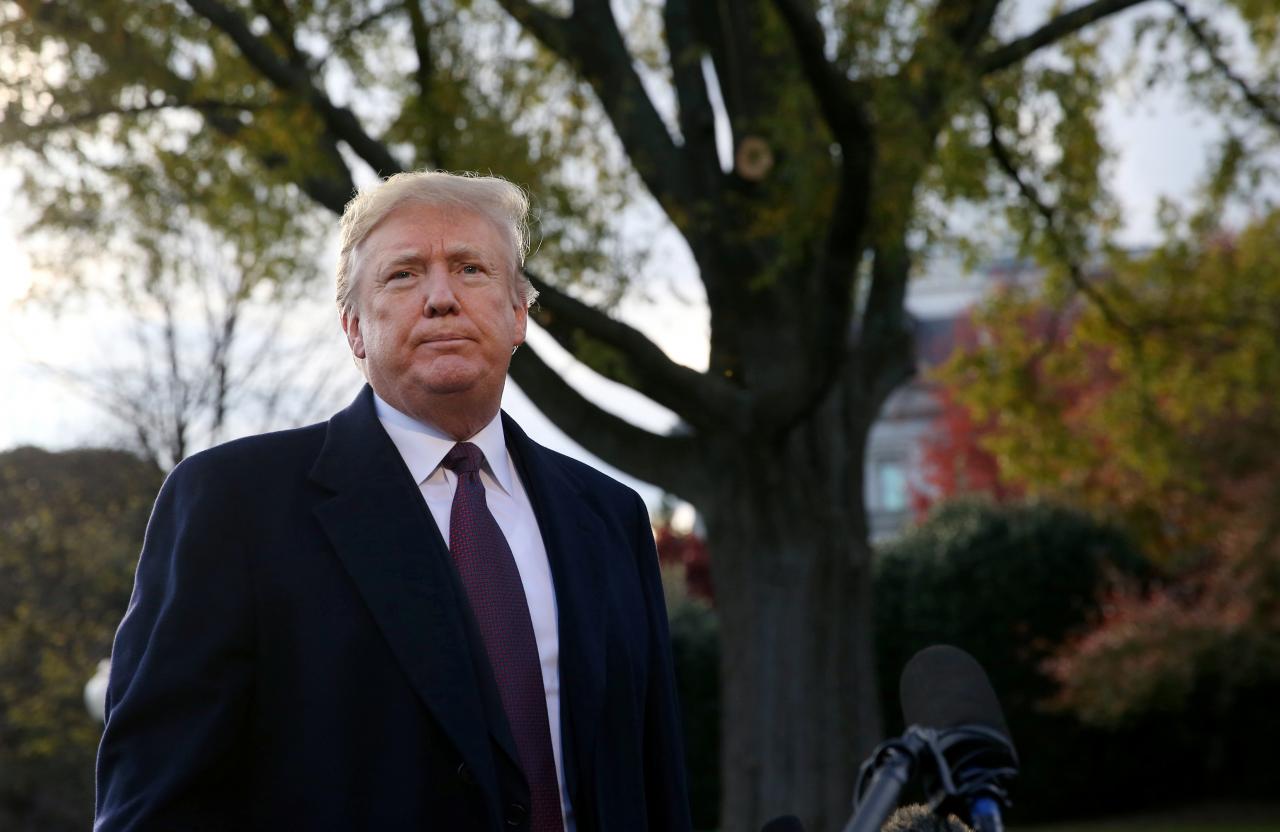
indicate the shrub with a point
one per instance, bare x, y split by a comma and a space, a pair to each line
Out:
1009, 584
695, 647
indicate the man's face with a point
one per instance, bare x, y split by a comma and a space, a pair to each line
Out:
436, 317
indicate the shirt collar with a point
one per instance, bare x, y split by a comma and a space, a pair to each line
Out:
423, 446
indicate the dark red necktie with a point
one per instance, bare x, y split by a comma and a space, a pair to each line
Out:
492, 582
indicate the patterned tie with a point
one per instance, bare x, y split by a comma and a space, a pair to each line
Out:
492, 582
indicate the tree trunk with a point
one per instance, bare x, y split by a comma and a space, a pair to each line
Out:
787, 530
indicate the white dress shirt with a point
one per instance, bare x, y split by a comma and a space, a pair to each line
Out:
423, 448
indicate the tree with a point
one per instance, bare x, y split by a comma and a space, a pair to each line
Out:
70, 527
954, 460
1151, 422
1165, 424
211, 345
851, 127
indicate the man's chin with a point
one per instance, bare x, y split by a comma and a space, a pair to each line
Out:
453, 382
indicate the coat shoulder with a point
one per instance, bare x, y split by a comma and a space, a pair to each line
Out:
265, 456
590, 480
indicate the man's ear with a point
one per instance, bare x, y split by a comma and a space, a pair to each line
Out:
522, 324
351, 326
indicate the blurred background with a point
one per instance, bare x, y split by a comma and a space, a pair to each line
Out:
913, 321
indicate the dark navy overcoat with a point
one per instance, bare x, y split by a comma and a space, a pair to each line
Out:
298, 653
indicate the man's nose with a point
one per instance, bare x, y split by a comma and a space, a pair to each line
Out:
439, 295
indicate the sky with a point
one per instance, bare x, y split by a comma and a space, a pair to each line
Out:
1161, 152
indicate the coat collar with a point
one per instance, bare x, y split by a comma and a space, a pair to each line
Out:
423, 447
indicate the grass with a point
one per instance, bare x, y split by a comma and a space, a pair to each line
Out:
1214, 818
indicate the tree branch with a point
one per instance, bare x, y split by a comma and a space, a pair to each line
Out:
842, 107
964, 23
421, 31
206, 106
885, 351
1062, 26
330, 189
277, 14
347, 32
589, 41
555, 32
697, 119
1075, 271
702, 400
666, 461
1267, 109
341, 121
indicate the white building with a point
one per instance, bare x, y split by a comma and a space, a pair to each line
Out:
937, 301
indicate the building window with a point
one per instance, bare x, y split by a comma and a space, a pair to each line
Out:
891, 485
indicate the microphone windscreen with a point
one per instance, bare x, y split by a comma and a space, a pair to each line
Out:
915, 817
786, 823
944, 687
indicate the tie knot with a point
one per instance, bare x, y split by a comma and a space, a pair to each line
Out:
463, 458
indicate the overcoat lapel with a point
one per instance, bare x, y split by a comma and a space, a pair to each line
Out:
571, 532
383, 533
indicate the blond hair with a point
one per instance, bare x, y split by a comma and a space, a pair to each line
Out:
504, 204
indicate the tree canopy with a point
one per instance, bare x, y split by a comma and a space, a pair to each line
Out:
1166, 425
1150, 421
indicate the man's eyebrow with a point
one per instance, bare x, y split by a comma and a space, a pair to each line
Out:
408, 257
463, 251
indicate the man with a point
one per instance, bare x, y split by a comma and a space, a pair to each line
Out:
413, 616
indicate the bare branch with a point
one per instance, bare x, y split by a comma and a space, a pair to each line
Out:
341, 121
700, 399
1062, 26
666, 461
1268, 109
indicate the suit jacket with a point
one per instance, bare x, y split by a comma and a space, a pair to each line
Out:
298, 652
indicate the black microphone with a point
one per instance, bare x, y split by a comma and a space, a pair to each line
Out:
786, 823
943, 686
944, 689
955, 733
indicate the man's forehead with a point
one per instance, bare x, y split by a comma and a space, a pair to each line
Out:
430, 248
426, 225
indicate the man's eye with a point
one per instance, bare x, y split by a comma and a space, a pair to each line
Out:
471, 268
401, 274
